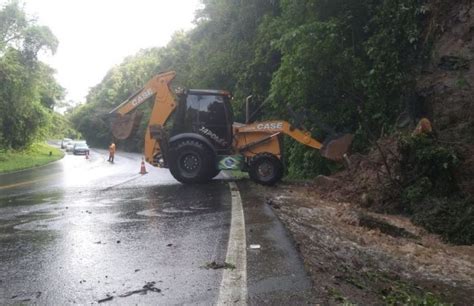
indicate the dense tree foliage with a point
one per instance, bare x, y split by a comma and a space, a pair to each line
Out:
28, 90
346, 64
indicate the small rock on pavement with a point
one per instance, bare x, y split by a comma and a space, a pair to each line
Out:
324, 181
215, 265
366, 199
108, 298
272, 204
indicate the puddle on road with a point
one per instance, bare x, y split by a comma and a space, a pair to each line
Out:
153, 213
31, 222
29, 200
171, 211
84, 219
200, 208
176, 211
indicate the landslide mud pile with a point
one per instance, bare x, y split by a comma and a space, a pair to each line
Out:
368, 258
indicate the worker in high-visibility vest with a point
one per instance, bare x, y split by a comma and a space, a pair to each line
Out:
423, 127
111, 152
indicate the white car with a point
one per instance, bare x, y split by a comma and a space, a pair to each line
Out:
70, 145
64, 142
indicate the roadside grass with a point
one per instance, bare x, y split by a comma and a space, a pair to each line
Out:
238, 175
37, 155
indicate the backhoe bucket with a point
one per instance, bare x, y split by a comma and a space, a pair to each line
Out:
123, 126
334, 148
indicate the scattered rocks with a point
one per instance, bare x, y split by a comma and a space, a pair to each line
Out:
325, 181
271, 203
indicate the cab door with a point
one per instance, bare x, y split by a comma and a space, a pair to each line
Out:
214, 122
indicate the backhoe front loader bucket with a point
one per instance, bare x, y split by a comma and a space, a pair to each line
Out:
334, 148
122, 126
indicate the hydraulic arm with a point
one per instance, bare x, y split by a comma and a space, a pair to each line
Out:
262, 133
163, 106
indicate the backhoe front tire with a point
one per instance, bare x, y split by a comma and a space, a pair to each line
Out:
265, 169
191, 161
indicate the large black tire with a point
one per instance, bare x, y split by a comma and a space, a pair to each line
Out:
191, 161
265, 169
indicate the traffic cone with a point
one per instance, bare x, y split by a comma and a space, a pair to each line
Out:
142, 168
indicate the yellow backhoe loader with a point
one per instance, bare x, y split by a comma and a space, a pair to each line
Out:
201, 138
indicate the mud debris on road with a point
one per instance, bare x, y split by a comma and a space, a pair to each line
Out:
219, 265
107, 298
361, 257
148, 287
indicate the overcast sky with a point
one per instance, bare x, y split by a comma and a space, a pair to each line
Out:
95, 35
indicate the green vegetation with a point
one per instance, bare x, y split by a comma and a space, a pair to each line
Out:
400, 297
430, 192
36, 155
29, 91
238, 175
345, 64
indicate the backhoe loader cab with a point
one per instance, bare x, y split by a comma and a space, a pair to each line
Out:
207, 113
204, 139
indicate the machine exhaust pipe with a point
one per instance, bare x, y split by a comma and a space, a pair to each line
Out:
247, 109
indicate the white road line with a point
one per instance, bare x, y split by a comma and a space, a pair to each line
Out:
233, 289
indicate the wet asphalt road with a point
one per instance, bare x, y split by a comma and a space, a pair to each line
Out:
79, 231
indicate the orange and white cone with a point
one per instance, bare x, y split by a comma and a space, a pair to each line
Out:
142, 168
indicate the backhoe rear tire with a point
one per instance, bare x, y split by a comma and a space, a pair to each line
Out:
265, 169
191, 161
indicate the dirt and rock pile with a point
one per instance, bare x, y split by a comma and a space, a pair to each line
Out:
359, 230
368, 258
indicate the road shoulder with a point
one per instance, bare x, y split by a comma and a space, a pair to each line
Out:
275, 271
